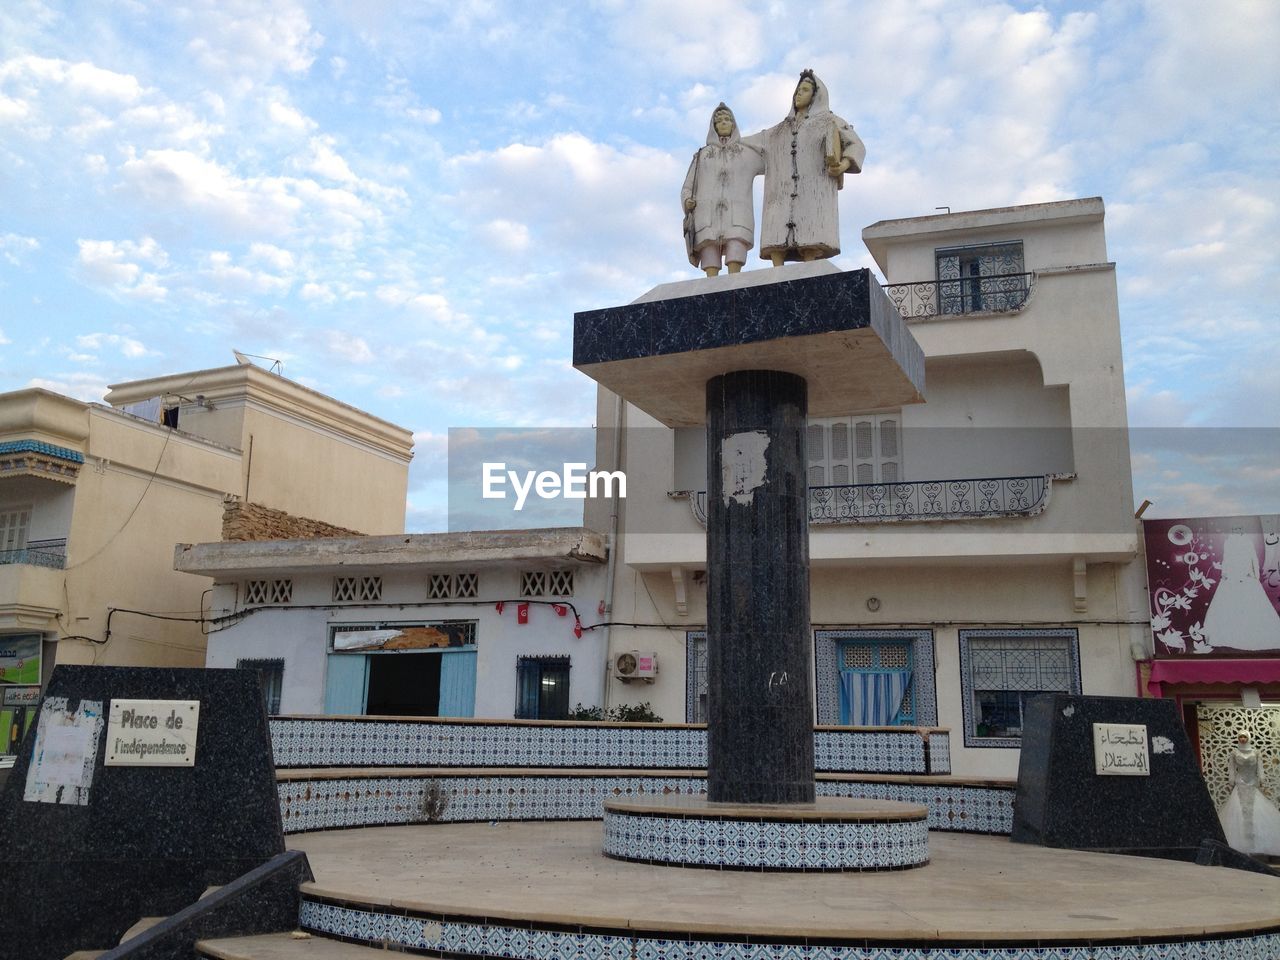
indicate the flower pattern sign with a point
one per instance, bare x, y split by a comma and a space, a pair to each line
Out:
1214, 585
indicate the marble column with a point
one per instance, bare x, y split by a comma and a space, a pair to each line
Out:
759, 651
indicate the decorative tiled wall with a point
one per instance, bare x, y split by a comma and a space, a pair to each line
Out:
459, 937
725, 842
323, 804
328, 742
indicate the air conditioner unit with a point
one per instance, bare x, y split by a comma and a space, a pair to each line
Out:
634, 665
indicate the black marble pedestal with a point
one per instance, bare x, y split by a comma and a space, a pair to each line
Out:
760, 700
1063, 802
148, 840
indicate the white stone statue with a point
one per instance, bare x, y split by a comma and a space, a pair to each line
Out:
719, 220
806, 158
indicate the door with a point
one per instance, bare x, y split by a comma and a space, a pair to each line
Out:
458, 683
346, 684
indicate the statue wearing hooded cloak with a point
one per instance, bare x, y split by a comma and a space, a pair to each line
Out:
721, 222
801, 219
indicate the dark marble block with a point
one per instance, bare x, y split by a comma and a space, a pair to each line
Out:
1063, 802
759, 651
836, 329
150, 839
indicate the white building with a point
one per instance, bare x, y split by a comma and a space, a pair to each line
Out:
453, 625
981, 545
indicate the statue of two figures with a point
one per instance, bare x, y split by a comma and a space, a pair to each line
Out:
804, 159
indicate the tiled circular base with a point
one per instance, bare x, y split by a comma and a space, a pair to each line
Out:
831, 834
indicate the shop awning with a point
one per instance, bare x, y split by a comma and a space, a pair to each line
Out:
1200, 670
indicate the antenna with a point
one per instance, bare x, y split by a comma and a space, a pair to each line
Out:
277, 366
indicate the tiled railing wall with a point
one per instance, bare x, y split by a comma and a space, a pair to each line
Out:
377, 742
331, 802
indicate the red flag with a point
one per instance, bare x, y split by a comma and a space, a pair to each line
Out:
577, 628
522, 613
560, 609
499, 606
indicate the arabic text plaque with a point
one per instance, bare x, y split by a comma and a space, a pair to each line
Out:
1120, 750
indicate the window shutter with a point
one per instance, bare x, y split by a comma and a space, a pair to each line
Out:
816, 452
890, 450
13, 529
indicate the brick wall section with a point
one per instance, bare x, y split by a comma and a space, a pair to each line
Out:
252, 521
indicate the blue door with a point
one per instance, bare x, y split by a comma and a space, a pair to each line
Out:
458, 683
346, 684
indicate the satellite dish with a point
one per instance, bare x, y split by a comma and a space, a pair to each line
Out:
242, 359
277, 366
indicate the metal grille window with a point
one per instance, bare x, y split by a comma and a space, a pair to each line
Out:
979, 278
357, 588
1002, 670
542, 688
546, 583
453, 586
696, 678
270, 679
268, 591
876, 682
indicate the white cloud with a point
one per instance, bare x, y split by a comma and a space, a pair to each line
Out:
350, 348
3, 339
711, 37
116, 267
223, 274
506, 235
31, 73
13, 246
244, 39
128, 346
286, 116
88, 387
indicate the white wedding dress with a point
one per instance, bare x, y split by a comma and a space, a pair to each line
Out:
1250, 821
1240, 615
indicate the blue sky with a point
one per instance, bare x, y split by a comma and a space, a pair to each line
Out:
406, 202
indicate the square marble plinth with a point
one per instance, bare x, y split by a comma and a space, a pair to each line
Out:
837, 329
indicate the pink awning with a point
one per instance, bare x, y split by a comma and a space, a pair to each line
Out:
1198, 670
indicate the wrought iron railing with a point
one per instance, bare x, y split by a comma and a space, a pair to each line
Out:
38, 553
979, 499
932, 298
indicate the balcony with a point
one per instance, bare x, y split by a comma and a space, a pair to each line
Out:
1005, 293
38, 553
981, 499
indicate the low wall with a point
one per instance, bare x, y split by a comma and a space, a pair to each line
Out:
336, 799
432, 742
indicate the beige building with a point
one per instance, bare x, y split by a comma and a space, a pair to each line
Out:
94, 496
974, 549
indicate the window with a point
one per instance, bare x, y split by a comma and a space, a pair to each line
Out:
875, 683
268, 591
453, 586
546, 583
1001, 669
978, 278
695, 709
14, 524
357, 588
859, 449
270, 679
874, 654
542, 688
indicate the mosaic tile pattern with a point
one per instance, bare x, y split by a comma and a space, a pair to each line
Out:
458, 937
324, 742
940, 752
952, 807
826, 647
374, 801
766, 845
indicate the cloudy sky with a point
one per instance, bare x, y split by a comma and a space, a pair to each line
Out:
406, 202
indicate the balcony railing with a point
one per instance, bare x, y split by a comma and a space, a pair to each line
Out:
932, 298
38, 553
980, 499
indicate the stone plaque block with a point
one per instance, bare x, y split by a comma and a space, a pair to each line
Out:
1064, 800
121, 842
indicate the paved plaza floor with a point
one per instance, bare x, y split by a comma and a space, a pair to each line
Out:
976, 888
